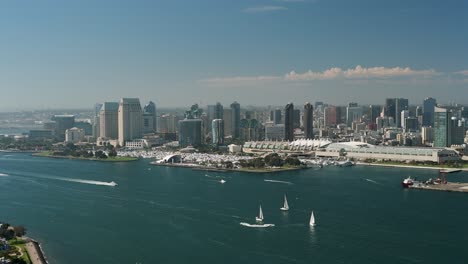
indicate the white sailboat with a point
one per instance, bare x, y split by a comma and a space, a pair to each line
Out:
312, 219
285, 205
259, 218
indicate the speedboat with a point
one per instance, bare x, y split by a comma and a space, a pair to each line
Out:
406, 183
113, 183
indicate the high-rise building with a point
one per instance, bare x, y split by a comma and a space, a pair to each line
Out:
289, 122
429, 105
148, 123
457, 131
340, 114
276, 116
74, 135
427, 134
308, 121
411, 124
150, 111
190, 132
390, 107
168, 124
374, 112
86, 126
227, 117
109, 120
297, 118
403, 115
330, 116
235, 120
400, 105
353, 114
62, 123
215, 111
96, 121
217, 128
130, 120
442, 127
274, 132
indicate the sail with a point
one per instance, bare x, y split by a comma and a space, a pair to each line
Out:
285, 206
260, 214
312, 219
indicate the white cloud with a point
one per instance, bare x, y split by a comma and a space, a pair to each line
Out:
357, 73
262, 9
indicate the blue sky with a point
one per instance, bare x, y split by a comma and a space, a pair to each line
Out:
56, 54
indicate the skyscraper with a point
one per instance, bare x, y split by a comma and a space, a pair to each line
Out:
289, 122
217, 127
403, 115
400, 105
130, 120
109, 120
235, 120
150, 111
428, 111
62, 123
96, 120
353, 113
308, 121
442, 128
190, 132
276, 118
374, 112
227, 118
297, 118
330, 116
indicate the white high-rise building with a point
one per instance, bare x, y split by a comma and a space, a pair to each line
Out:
74, 135
109, 120
404, 114
130, 120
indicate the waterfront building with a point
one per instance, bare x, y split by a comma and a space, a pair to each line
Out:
442, 127
235, 120
355, 150
308, 121
40, 134
62, 123
429, 105
330, 116
289, 122
150, 111
217, 127
130, 120
109, 120
74, 135
190, 132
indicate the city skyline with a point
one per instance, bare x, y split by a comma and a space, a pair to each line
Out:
262, 52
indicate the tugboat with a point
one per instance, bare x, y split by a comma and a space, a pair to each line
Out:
406, 183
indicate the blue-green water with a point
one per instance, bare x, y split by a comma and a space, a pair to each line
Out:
172, 215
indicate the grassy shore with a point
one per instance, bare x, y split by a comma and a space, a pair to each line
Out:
21, 246
109, 159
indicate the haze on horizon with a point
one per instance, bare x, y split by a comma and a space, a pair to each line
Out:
58, 54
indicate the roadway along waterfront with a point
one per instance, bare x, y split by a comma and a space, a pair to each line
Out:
173, 215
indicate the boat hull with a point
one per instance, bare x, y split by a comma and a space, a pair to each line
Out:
284, 209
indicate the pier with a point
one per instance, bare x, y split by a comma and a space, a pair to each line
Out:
448, 187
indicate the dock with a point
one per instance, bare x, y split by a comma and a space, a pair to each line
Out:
449, 170
448, 187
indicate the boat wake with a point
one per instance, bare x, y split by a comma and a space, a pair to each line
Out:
275, 181
369, 180
4, 175
112, 183
256, 226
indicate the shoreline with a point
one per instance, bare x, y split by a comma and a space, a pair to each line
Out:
119, 159
203, 168
408, 166
35, 252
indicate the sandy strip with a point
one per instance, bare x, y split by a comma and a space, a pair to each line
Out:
35, 253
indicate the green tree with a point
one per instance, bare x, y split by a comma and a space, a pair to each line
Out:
19, 231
